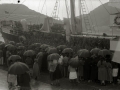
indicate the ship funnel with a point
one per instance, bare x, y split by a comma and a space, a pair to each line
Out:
48, 22
24, 24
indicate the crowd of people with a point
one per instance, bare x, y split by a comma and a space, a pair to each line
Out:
60, 61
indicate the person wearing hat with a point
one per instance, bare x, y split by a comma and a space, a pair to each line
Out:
36, 71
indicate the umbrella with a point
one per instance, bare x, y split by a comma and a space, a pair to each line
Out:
65, 60
39, 54
84, 53
104, 52
10, 47
53, 56
67, 50
29, 53
22, 38
95, 51
14, 58
51, 50
74, 62
61, 47
12, 42
35, 45
18, 68
44, 46
21, 47
2, 45
19, 44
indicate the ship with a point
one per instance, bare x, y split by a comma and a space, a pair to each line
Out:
73, 37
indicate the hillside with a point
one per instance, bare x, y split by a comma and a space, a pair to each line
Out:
101, 19
19, 11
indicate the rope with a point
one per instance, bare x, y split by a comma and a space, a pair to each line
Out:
53, 9
38, 10
94, 16
67, 9
117, 10
58, 9
43, 6
105, 7
89, 15
16, 9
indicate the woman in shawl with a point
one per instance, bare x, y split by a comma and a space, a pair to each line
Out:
25, 81
109, 70
80, 68
57, 73
94, 68
102, 70
36, 71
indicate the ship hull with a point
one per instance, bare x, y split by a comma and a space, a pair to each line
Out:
9, 37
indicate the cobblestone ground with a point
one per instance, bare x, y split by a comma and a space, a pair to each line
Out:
43, 84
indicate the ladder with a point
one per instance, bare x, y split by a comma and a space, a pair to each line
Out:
85, 17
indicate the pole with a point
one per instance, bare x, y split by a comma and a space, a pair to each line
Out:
72, 6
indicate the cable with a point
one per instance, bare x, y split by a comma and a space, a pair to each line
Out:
117, 10
38, 10
58, 10
16, 8
43, 6
89, 15
94, 16
104, 7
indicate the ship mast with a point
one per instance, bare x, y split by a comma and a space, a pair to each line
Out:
76, 24
72, 7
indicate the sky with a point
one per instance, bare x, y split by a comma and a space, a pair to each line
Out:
49, 6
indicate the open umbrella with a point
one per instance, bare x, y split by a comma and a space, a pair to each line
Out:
19, 44
18, 68
22, 38
2, 45
84, 53
39, 54
12, 42
29, 53
52, 50
34, 45
61, 47
10, 47
53, 56
95, 51
21, 47
67, 50
43, 47
104, 52
65, 60
14, 58
74, 62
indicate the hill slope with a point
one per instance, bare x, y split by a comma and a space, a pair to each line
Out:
19, 11
101, 18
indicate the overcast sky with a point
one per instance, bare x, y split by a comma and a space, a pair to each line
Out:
49, 5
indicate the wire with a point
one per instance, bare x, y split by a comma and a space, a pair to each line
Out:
58, 9
105, 7
38, 10
94, 16
117, 10
89, 15
16, 9
43, 6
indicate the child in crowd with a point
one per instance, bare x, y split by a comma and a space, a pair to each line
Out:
51, 68
72, 75
115, 72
